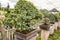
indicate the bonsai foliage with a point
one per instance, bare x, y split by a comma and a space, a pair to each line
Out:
57, 15
26, 14
46, 20
8, 21
52, 18
2, 17
24, 17
45, 12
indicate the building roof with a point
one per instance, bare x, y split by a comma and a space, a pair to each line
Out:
54, 10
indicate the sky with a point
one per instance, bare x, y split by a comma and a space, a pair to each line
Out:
40, 4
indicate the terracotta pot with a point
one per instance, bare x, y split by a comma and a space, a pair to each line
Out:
29, 36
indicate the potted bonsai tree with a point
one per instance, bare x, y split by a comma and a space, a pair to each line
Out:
25, 16
58, 18
46, 24
45, 28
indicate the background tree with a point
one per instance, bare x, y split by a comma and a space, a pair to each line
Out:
7, 9
0, 6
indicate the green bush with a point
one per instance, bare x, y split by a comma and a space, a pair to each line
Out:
57, 15
24, 17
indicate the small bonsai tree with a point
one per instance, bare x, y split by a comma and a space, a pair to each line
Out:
58, 15
52, 18
46, 21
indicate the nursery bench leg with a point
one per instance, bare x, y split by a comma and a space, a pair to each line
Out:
44, 35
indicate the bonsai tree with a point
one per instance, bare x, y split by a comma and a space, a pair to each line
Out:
57, 15
24, 17
49, 15
26, 14
45, 12
46, 23
52, 18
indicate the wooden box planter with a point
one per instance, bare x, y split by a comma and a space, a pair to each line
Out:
30, 36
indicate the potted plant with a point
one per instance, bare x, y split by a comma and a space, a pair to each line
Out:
58, 19
57, 16
25, 16
46, 24
52, 21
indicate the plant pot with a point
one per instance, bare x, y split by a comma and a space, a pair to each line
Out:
45, 27
29, 36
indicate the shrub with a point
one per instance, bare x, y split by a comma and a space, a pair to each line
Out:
24, 17
57, 15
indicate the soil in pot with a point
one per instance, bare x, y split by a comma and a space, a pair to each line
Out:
26, 35
25, 31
